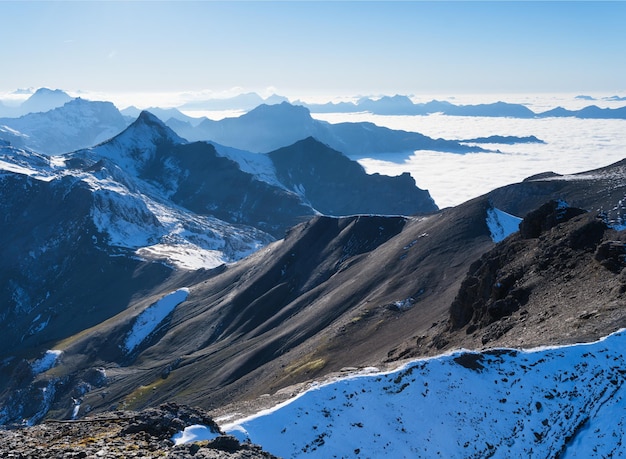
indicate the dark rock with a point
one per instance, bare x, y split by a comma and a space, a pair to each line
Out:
546, 217
611, 255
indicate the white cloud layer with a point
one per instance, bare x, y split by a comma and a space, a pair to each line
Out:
572, 145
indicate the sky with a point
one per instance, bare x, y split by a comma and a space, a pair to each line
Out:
299, 48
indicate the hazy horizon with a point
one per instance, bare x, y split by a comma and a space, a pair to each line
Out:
314, 49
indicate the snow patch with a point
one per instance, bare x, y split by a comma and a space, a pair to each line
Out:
151, 317
46, 362
194, 433
501, 224
259, 165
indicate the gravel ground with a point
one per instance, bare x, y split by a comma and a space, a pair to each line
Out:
121, 434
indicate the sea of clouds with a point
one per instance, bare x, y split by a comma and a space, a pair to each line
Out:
571, 145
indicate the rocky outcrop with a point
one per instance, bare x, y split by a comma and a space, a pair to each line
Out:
125, 434
555, 246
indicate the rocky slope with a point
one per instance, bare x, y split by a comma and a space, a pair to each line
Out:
114, 229
377, 286
385, 287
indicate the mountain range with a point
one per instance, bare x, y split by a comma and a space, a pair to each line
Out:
150, 268
146, 207
80, 124
42, 100
268, 127
77, 124
385, 287
403, 105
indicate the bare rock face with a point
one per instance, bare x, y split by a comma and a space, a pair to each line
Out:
125, 434
538, 268
546, 217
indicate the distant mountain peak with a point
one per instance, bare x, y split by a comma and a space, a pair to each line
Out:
282, 108
45, 99
48, 91
157, 128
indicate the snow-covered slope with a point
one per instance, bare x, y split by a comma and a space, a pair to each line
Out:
132, 214
552, 402
77, 124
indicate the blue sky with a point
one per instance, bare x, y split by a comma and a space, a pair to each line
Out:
300, 47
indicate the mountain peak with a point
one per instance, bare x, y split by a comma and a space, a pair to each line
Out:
45, 99
284, 108
146, 117
156, 129
136, 144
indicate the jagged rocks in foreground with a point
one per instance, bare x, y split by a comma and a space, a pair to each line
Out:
125, 434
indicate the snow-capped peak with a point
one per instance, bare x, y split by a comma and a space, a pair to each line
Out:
137, 144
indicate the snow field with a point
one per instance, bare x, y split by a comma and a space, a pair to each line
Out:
502, 403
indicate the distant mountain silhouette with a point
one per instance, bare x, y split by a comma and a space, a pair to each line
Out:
43, 100
508, 139
164, 114
591, 112
402, 105
246, 101
269, 127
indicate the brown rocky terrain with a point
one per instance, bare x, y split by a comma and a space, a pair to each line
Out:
124, 434
560, 280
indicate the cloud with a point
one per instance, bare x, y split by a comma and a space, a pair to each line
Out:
572, 145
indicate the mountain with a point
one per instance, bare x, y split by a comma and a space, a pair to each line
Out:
164, 114
246, 102
118, 231
269, 127
335, 185
387, 288
92, 225
402, 105
197, 177
506, 139
96, 321
44, 100
77, 124
590, 112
